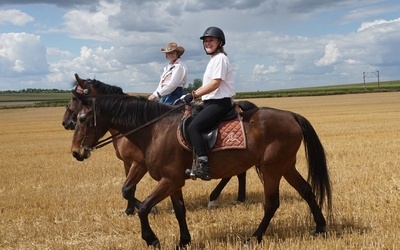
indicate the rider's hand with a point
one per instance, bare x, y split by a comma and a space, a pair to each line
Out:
188, 98
152, 98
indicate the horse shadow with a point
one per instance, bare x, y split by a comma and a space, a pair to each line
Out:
279, 230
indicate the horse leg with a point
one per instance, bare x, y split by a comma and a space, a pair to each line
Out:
221, 185
134, 173
241, 187
129, 193
294, 178
271, 195
217, 192
180, 214
164, 189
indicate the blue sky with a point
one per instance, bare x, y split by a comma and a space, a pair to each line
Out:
271, 44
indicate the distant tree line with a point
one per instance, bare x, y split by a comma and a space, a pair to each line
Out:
193, 86
31, 90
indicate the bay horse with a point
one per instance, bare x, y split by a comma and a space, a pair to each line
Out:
127, 152
273, 140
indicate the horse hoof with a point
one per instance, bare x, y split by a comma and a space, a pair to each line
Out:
181, 246
238, 202
212, 205
130, 211
156, 244
154, 210
247, 242
320, 231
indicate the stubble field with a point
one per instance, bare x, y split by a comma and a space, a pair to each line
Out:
48, 200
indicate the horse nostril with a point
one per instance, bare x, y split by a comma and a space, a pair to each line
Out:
77, 156
68, 125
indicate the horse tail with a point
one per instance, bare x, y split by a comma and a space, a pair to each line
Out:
318, 173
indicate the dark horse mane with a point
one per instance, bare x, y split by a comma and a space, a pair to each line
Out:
101, 87
130, 110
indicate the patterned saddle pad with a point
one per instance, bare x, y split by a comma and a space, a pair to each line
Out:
230, 136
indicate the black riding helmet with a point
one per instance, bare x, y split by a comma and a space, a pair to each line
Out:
214, 32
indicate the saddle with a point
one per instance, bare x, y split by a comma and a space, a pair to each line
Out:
228, 133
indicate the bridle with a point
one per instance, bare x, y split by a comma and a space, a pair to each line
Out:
70, 112
118, 135
81, 90
93, 123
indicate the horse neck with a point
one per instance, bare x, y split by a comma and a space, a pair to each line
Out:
113, 131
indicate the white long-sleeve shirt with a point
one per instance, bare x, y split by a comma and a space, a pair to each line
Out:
174, 75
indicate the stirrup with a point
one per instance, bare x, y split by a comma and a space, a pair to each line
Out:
190, 171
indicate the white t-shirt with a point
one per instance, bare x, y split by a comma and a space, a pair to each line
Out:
219, 68
174, 75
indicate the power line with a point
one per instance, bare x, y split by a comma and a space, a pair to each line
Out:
376, 73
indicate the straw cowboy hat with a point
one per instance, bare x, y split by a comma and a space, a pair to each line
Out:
170, 47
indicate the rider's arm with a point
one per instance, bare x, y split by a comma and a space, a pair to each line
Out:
208, 88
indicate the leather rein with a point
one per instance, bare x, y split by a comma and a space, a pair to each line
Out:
119, 135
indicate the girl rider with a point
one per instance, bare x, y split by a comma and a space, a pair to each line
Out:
216, 93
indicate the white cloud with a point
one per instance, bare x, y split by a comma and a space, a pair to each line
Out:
376, 23
259, 69
22, 53
15, 17
56, 52
18, 66
103, 64
286, 44
367, 25
332, 55
92, 25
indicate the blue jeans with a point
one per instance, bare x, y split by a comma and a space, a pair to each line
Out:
171, 98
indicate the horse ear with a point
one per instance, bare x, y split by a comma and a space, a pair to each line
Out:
77, 77
80, 81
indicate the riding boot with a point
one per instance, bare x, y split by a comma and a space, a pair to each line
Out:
203, 171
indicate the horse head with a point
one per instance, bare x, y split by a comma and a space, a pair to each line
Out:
87, 87
87, 129
69, 117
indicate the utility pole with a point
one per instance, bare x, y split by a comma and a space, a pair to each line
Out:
378, 78
372, 72
364, 74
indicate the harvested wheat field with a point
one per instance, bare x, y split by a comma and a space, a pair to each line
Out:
48, 200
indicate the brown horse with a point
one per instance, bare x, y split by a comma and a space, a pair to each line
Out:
273, 139
127, 152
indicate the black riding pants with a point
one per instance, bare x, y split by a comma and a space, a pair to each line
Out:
213, 112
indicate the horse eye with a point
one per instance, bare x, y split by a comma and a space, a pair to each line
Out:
82, 118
